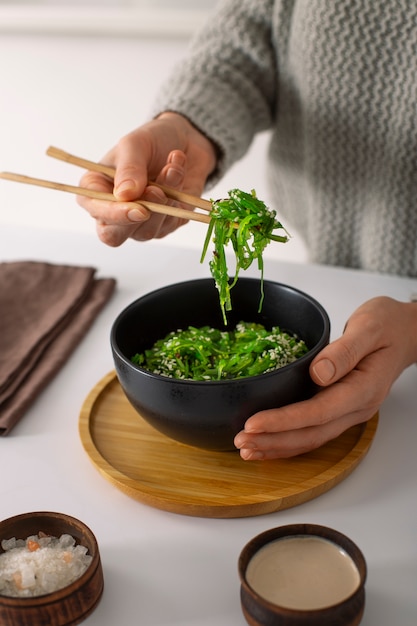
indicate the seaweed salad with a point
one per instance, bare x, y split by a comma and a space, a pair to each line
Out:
210, 354
248, 224
249, 349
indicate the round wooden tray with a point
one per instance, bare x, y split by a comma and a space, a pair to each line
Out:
168, 475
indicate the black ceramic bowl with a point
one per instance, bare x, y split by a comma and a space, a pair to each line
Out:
208, 414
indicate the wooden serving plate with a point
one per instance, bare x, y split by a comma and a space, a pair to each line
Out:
169, 475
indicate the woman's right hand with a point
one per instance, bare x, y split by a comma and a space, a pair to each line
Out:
168, 150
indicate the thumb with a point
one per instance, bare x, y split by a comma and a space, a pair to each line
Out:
342, 355
131, 177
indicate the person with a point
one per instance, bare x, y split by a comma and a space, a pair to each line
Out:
335, 84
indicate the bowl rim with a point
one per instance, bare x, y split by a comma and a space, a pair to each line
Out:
189, 381
291, 530
63, 592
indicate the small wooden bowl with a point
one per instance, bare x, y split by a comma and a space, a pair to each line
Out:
261, 612
67, 606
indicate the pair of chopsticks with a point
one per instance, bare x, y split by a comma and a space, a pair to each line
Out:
57, 153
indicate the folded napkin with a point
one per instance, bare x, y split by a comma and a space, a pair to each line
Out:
45, 311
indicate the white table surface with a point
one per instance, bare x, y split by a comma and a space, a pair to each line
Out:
163, 569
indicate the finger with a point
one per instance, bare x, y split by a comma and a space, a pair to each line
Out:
130, 173
361, 338
152, 227
295, 442
172, 175
116, 213
115, 221
96, 182
342, 398
131, 176
109, 213
113, 235
318, 410
306, 425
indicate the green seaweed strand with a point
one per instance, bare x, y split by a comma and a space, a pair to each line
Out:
248, 224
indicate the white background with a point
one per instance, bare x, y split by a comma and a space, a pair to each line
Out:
79, 78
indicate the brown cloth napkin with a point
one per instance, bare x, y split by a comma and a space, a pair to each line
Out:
45, 311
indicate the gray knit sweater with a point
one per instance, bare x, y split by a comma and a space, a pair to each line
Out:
335, 81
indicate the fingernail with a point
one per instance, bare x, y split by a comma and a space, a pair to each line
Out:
251, 455
135, 215
177, 157
253, 429
241, 443
173, 177
125, 185
324, 370
153, 194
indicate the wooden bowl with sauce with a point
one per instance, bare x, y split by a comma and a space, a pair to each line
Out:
69, 605
302, 575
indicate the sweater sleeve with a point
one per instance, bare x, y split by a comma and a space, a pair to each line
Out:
226, 86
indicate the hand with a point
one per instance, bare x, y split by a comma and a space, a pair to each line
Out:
168, 150
356, 372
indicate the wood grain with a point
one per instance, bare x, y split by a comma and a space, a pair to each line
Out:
168, 475
163, 209
175, 194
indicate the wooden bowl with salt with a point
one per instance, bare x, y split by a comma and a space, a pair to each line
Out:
69, 605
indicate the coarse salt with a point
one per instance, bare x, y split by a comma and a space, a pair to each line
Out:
40, 564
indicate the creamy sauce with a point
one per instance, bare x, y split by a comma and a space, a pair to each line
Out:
303, 572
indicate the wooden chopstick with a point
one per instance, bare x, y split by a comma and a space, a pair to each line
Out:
163, 209
174, 194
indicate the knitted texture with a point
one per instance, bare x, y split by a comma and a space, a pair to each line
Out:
336, 84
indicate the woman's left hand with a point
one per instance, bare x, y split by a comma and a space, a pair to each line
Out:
356, 373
